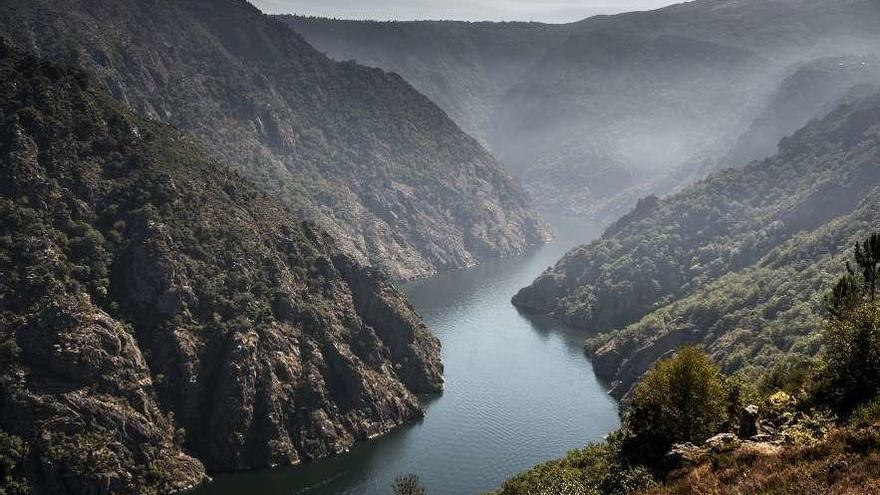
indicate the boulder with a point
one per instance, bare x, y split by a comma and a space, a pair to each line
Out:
722, 442
748, 421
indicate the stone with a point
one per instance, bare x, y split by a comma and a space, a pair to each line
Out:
722, 442
748, 421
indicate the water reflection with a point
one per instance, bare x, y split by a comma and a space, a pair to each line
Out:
518, 391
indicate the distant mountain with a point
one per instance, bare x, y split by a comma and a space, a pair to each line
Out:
600, 112
812, 91
160, 316
356, 149
464, 67
737, 262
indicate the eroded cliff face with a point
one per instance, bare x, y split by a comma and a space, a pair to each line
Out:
355, 149
160, 317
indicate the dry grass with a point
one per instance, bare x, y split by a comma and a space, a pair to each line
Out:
847, 462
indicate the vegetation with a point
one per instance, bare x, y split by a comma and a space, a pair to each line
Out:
151, 299
464, 67
737, 263
408, 485
850, 370
682, 399
592, 114
356, 149
12, 451
822, 435
845, 462
596, 469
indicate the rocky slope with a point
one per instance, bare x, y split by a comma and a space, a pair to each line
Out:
160, 317
846, 462
723, 262
356, 149
600, 112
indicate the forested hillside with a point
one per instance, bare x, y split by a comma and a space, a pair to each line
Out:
807, 427
160, 316
356, 149
736, 262
613, 108
813, 90
463, 67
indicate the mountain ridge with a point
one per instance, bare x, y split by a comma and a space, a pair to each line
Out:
720, 263
562, 126
161, 318
356, 149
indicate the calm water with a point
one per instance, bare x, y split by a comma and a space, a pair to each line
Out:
519, 391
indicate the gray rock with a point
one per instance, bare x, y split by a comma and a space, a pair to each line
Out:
722, 442
748, 421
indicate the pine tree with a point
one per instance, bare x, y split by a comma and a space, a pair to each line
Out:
867, 256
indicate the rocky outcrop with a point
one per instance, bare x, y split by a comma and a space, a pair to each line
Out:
160, 318
355, 149
83, 396
763, 431
624, 368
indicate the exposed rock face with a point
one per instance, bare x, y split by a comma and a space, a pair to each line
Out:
160, 317
83, 395
358, 150
748, 422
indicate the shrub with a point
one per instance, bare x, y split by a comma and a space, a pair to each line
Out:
682, 399
867, 414
849, 373
408, 485
596, 469
12, 451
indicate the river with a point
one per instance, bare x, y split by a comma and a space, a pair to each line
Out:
519, 391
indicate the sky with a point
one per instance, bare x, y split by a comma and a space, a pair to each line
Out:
469, 10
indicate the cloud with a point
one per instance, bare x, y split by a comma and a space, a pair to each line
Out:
472, 10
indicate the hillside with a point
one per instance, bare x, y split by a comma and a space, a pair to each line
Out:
160, 317
813, 90
726, 262
463, 67
600, 112
356, 149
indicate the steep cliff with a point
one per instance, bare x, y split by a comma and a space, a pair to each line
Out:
159, 316
356, 149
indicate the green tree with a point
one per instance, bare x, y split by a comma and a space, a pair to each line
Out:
12, 451
849, 373
846, 295
408, 485
682, 399
867, 256
850, 292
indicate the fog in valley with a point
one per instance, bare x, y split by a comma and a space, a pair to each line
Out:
554, 11
592, 115
445, 247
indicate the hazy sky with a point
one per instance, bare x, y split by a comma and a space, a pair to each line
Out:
473, 10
